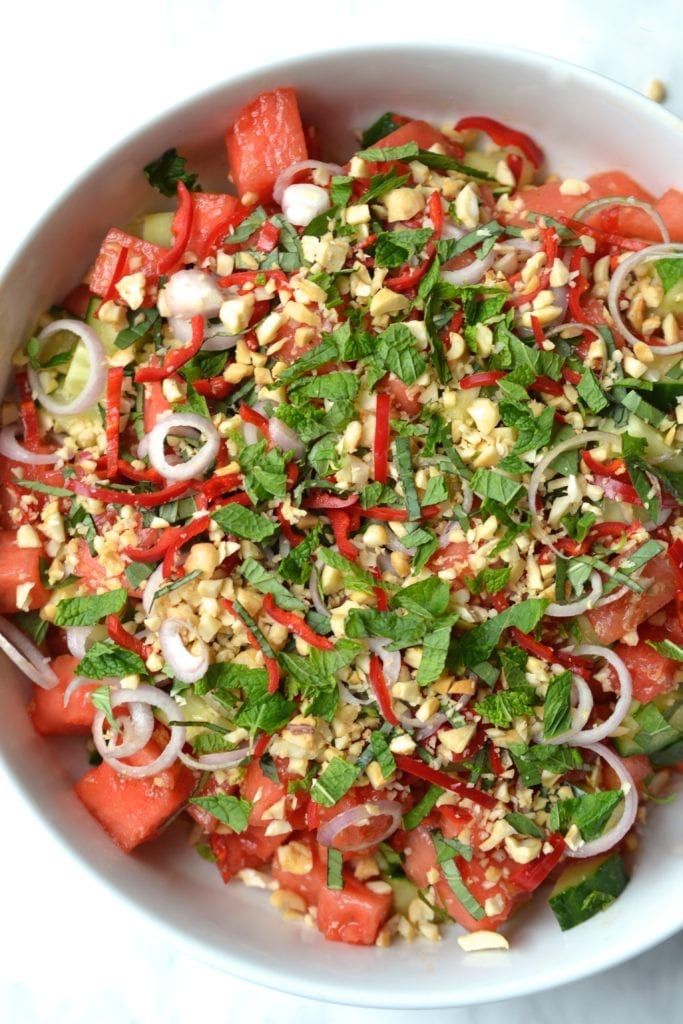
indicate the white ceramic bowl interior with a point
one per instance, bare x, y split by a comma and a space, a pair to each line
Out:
585, 124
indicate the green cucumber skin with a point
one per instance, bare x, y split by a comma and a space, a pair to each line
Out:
597, 891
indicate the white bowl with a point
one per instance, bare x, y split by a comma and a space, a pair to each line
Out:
585, 124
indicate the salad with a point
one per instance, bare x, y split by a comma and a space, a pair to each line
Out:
342, 516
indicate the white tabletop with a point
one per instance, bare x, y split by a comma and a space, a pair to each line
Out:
75, 77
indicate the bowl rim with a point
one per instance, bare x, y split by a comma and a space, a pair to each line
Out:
233, 961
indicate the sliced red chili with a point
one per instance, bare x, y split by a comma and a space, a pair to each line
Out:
288, 531
324, 500
548, 386
381, 690
125, 639
539, 336
138, 475
256, 419
182, 225
435, 211
572, 376
185, 533
420, 770
297, 625
255, 277
502, 135
176, 358
381, 596
340, 521
380, 449
268, 237
613, 468
515, 165
410, 279
485, 379
213, 387
113, 427
112, 497
218, 485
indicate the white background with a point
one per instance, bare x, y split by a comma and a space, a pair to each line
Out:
74, 78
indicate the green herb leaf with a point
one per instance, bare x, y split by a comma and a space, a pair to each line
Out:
394, 248
335, 865
667, 648
86, 611
267, 583
487, 483
424, 806
382, 754
353, 575
454, 879
101, 699
243, 522
503, 707
532, 761
557, 712
228, 809
524, 825
404, 466
589, 812
297, 565
106, 659
167, 170
479, 643
334, 782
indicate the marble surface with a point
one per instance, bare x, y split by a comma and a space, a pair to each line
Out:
75, 77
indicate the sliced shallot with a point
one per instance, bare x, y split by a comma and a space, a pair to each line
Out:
219, 761
197, 463
358, 816
97, 372
11, 449
623, 702
628, 812
147, 695
186, 667
572, 608
626, 267
287, 176
26, 656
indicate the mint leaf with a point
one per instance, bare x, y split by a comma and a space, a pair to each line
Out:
334, 782
86, 611
503, 707
589, 812
106, 659
243, 522
353, 575
479, 643
230, 810
267, 583
557, 712
487, 483
167, 170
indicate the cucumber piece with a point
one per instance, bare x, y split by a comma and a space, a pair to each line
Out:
669, 756
105, 332
404, 894
154, 228
654, 731
583, 889
667, 457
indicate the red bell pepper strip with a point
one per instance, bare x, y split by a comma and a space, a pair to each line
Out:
340, 522
387, 514
324, 500
613, 468
272, 667
410, 279
485, 379
219, 485
502, 135
548, 386
125, 639
577, 286
288, 531
112, 497
176, 358
435, 211
185, 533
615, 490
254, 277
249, 415
381, 596
381, 690
495, 760
113, 428
268, 237
261, 746
297, 625
380, 449
182, 225
571, 376
515, 165
545, 653
530, 876
213, 387
119, 271
539, 336
138, 475
28, 413
420, 770
153, 553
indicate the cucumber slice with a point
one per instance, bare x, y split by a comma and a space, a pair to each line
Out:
106, 332
583, 889
667, 457
404, 894
154, 228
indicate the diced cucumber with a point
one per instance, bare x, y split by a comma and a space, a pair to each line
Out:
105, 332
585, 888
154, 228
667, 457
404, 894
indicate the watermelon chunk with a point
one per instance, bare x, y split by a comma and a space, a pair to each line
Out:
266, 138
49, 716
